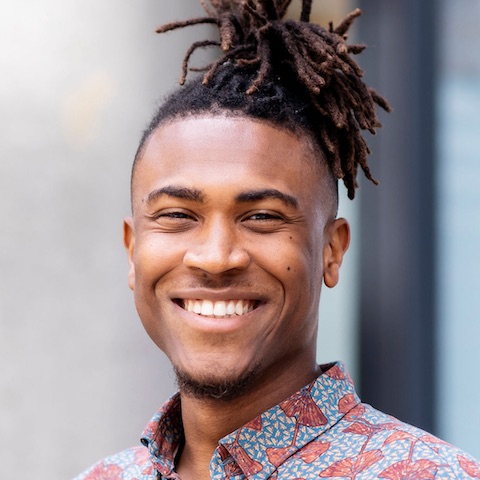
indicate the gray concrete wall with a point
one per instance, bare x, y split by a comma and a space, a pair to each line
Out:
79, 377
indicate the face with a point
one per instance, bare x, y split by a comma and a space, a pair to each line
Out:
231, 236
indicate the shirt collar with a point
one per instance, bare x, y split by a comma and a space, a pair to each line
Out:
164, 435
260, 446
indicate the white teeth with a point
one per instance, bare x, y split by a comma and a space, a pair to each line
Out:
207, 307
230, 308
218, 309
197, 307
239, 307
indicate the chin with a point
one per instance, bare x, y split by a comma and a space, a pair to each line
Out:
226, 385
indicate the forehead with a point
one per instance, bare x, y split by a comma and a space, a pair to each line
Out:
236, 152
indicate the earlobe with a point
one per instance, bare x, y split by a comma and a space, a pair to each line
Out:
337, 239
129, 243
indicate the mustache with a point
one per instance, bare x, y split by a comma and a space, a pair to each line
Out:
212, 282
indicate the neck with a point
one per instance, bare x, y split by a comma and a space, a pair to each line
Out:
207, 420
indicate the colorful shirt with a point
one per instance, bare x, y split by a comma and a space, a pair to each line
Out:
322, 431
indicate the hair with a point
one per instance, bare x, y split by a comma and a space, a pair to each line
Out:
293, 74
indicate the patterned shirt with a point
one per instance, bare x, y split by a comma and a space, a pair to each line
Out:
322, 431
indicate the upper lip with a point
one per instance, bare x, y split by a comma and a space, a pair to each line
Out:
216, 295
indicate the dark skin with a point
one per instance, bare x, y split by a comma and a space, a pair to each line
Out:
220, 218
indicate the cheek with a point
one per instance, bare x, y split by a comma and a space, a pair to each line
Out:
297, 263
305, 251
155, 256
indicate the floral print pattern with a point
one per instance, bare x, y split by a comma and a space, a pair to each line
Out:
322, 431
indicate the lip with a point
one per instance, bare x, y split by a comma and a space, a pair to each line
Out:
220, 309
216, 325
217, 295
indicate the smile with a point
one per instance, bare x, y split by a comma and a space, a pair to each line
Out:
218, 309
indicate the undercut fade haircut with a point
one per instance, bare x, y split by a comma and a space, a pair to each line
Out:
293, 74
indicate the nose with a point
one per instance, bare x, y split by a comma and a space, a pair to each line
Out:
216, 249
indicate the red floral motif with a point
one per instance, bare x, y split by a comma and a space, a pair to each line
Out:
223, 452
346, 403
336, 373
141, 456
165, 450
313, 450
248, 465
304, 409
276, 456
255, 424
355, 413
361, 428
148, 471
105, 472
151, 430
349, 406
231, 467
472, 468
352, 466
397, 436
410, 470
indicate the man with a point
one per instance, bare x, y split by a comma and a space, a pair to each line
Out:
234, 229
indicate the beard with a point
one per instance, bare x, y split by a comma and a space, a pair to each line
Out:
204, 388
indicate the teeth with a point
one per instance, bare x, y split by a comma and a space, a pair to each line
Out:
197, 306
230, 308
218, 309
207, 307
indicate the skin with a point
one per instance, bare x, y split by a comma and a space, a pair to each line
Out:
232, 208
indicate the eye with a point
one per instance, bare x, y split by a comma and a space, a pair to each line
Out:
263, 222
174, 220
263, 216
174, 215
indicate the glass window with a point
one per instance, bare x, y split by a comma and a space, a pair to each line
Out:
458, 211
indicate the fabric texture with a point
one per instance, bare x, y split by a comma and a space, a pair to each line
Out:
322, 431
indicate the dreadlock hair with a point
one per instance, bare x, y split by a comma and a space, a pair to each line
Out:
294, 74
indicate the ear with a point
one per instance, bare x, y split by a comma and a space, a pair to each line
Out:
129, 243
337, 239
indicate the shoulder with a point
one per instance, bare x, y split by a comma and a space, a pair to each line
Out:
367, 444
131, 463
401, 447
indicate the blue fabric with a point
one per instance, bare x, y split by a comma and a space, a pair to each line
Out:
322, 431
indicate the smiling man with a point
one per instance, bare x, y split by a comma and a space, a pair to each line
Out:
228, 246
234, 230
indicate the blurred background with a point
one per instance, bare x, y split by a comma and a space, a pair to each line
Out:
79, 80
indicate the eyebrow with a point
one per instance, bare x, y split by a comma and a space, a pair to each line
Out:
183, 193
257, 195
195, 195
